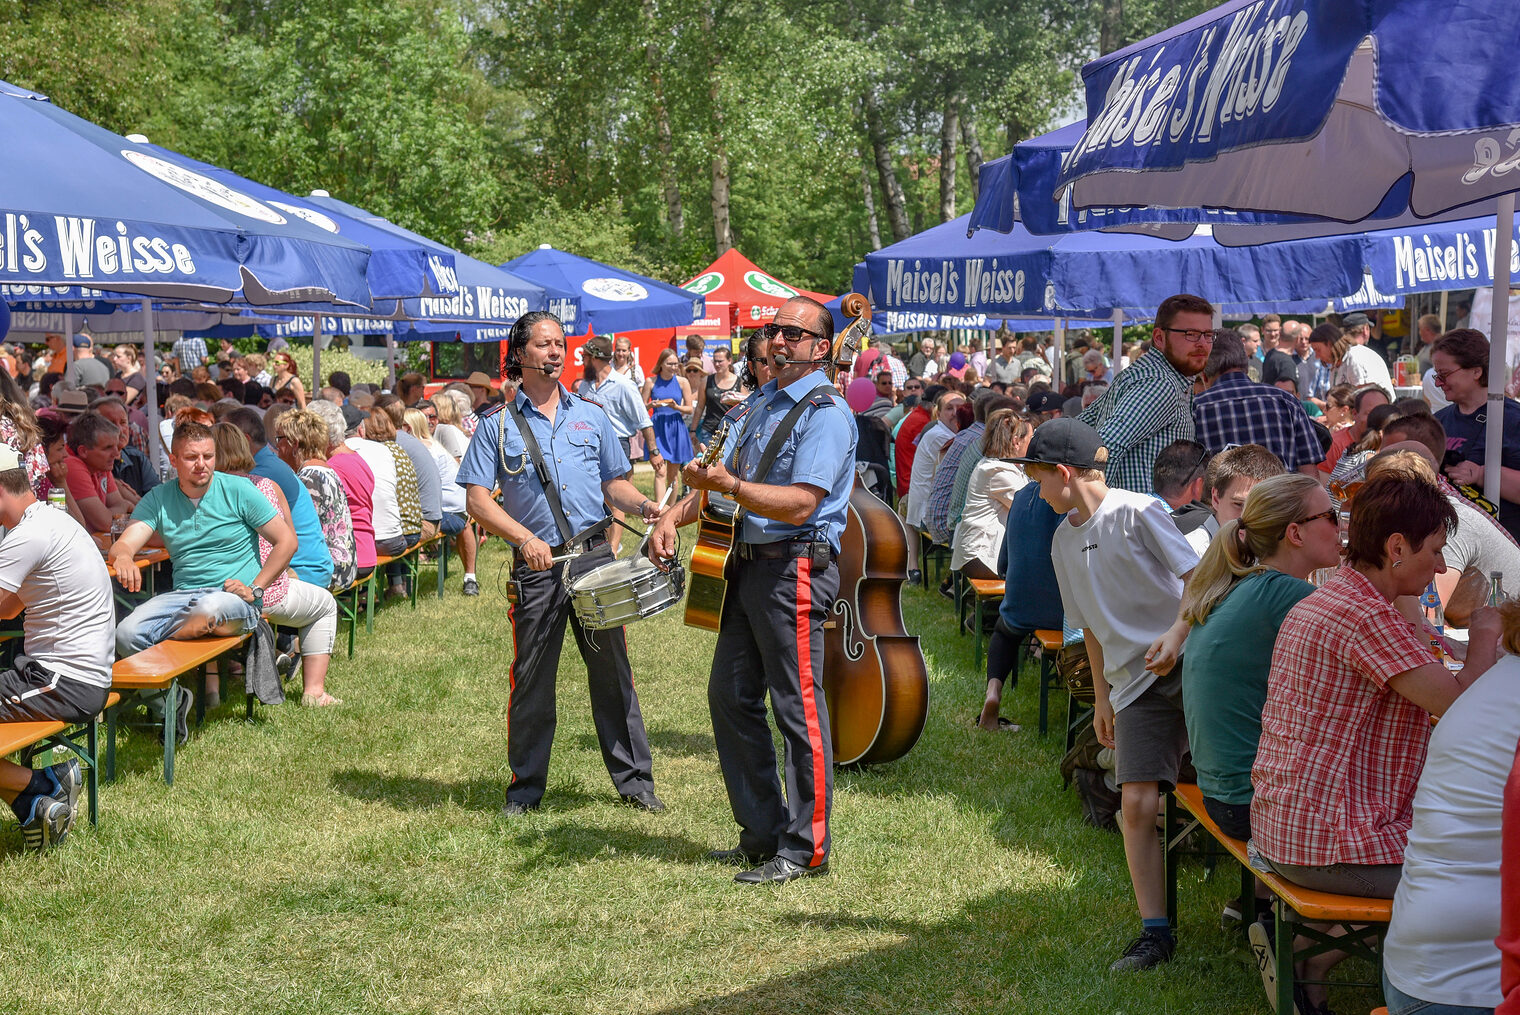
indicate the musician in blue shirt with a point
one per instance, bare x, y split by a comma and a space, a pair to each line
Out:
782, 581
547, 499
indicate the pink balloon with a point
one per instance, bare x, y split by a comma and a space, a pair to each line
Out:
861, 393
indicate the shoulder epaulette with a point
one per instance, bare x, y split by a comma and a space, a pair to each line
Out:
488, 413
593, 401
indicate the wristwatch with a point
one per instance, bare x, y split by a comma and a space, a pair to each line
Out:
258, 595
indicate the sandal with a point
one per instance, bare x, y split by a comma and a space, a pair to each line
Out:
323, 700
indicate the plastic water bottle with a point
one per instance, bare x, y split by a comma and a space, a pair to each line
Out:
56, 499
1495, 588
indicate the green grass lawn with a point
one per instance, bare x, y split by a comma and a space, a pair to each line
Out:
353, 860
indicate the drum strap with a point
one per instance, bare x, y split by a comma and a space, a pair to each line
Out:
530, 444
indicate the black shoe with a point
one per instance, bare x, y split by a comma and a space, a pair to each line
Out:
1145, 951
947, 589
778, 870
915, 577
471, 587
516, 809
1233, 914
645, 801
737, 857
182, 719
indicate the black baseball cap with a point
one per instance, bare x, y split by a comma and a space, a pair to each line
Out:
352, 417
1065, 441
1044, 400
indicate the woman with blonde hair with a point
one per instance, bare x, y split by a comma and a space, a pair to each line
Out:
451, 407
989, 492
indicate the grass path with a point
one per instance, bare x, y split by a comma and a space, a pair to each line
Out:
352, 860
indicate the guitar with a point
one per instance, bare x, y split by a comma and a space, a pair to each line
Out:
706, 581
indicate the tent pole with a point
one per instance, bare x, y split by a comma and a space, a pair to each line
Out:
68, 342
316, 354
1058, 369
1444, 296
1118, 337
1498, 361
390, 362
150, 379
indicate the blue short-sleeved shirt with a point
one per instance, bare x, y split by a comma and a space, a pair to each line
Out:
214, 540
581, 451
312, 562
820, 451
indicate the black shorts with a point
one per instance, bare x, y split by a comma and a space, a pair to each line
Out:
29, 692
1233, 820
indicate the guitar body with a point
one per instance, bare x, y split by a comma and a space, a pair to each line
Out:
706, 580
874, 675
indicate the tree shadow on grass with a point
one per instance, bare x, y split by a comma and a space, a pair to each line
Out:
419, 793
568, 843
663, 741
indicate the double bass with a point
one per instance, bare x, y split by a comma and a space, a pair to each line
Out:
875, 679
874, 676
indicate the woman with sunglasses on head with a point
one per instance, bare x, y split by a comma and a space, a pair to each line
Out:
668, 396
720, 391
287, 380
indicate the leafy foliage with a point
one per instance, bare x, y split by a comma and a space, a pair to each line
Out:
649, 133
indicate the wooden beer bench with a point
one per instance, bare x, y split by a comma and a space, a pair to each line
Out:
80, 739
160, 668
1365, 920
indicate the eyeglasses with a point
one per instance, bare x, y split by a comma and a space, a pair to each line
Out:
1441, 375
788, 332
1191, 335
1330, 516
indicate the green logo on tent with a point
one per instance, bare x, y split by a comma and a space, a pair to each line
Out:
763, 283
705, 283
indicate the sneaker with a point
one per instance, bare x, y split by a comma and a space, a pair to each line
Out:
65, 781
1145, 951
947, 589
1233, 913
1260, 936
284, 665
49, 824
182, 720
471, 587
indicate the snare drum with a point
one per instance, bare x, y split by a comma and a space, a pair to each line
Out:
624, 591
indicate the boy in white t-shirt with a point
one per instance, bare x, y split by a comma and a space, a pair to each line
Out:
1120, 563
50, 568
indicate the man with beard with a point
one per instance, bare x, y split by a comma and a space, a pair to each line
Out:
1150, 403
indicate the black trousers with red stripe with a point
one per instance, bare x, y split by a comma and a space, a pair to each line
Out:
538, 633
770, 642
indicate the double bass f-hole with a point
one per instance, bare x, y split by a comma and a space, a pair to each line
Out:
850, 642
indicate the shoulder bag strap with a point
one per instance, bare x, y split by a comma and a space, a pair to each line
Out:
778, 438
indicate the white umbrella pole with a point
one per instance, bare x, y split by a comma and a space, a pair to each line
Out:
68, 343
1118, 337
390, 362
1058, 369
316, 357
1498, 361
1444, 297
150, 379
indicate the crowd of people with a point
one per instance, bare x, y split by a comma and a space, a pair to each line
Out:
1274, 570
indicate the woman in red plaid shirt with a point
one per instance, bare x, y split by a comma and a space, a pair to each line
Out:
1347, 720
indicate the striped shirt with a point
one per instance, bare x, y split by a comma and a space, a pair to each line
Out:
191, 353
1148, 407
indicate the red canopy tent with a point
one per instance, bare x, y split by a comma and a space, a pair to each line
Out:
739, 296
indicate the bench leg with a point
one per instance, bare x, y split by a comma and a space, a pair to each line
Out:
111, 742
1283, 943
92, 778
976, 621
369, 602
1169, 855
1247, 899
443, 565
353, 622
171, 729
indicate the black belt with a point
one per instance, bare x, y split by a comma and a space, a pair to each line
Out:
787, 549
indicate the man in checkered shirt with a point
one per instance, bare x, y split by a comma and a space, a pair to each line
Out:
1237, 410
190, 352
1149, 405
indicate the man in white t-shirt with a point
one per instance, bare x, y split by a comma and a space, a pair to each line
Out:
1120, 563
50, 568
1361, 364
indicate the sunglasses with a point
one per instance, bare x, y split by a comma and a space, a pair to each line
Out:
788, 332
1330, 516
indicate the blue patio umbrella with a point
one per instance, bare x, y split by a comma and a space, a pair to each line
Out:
943, 271
398, 268
1315, 107
611, 299
80, 205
